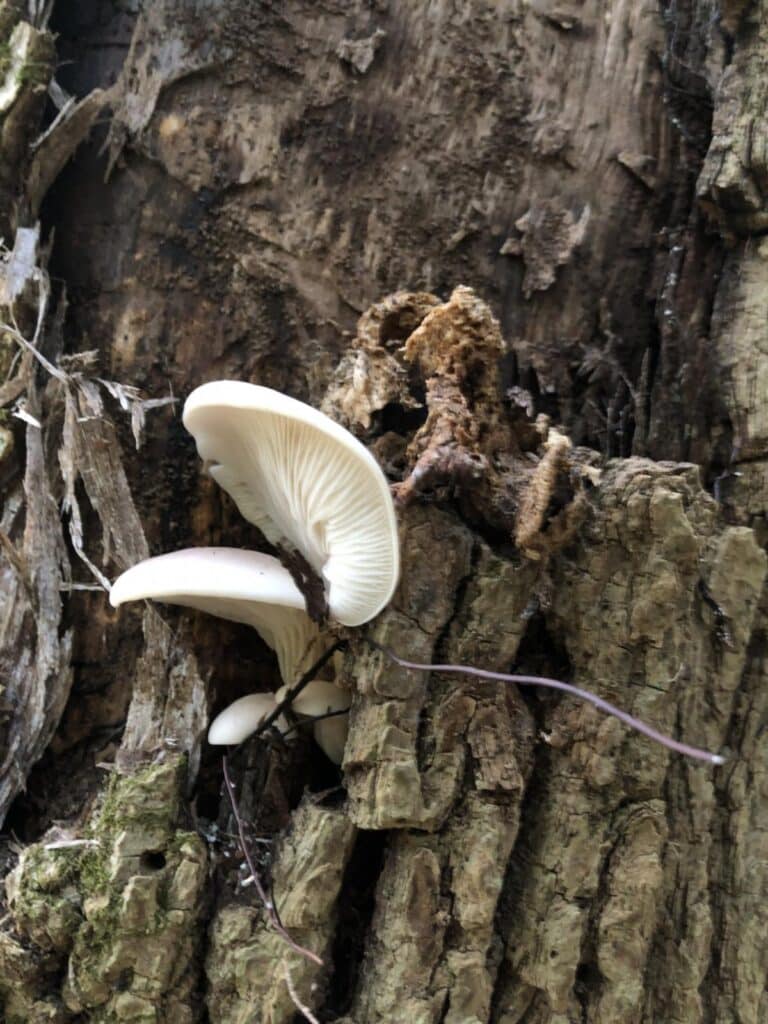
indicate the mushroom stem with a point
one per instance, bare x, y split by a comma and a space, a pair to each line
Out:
575, 691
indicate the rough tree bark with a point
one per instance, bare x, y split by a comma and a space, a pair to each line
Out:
517, 248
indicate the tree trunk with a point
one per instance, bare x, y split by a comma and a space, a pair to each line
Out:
517, 249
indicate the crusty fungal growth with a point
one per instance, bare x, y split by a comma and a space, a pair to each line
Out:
456, 349
301, 477
537, 533
243, 586
501, 463
374, 375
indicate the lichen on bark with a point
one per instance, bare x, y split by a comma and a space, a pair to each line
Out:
114, 907
247, 960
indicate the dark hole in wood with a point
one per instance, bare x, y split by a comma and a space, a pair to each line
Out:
152, 860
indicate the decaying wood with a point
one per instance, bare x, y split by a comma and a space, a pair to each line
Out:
35, 663
540, 302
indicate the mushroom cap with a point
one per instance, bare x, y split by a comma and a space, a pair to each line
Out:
243, 586
236, 723
301, 477
331, 736
317, 698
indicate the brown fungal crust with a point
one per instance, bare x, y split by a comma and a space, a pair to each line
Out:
504, 468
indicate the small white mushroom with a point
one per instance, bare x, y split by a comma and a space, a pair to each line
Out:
301, 477
317, 698
320, 698
243, 586
239, 720
331, 736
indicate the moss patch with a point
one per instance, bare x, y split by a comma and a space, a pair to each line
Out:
121, 907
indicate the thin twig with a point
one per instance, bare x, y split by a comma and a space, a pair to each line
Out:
14, 387
575, 691
305, 1012
267, 903
69, 844
312, 719
296, 689
18, 337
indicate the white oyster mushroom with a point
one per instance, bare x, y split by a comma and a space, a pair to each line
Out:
331, 736
243, 586
317, 698
301, 477
239, 720
320, 698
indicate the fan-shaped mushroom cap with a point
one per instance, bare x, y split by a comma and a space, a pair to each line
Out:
317, 698
243, 586
299, 476
239, 720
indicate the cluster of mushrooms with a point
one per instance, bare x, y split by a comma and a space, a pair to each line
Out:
314, 490
311, 487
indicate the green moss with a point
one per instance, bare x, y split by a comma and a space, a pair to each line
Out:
44, 896
5, 58
149, 799
33, 73
32, 51
93, 870
124, 904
